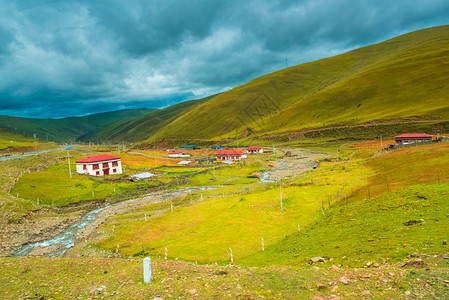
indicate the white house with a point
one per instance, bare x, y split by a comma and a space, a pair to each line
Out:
230, 155
254, 149
99, 165
177, 153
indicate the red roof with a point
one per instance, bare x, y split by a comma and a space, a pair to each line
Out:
95, 158
254, 147
414, 135
230, 152
175, 152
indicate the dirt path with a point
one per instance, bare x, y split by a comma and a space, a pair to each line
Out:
4, 158
300, 161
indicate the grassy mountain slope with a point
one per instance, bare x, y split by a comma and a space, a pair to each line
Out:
66, 129
138, 129
398, 80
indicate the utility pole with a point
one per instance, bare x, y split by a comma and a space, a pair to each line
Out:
68, 159
280, 192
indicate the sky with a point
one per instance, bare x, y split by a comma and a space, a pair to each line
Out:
63, 58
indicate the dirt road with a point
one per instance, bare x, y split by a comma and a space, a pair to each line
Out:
300, 161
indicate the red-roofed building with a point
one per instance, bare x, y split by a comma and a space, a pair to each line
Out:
410, 138
254, 149
230, 155
99, 165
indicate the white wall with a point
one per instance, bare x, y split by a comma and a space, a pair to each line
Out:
89, 168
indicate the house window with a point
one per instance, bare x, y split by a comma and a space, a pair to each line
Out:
97, 173
115, 163
105, 165
95, 167
114, 171
84, 167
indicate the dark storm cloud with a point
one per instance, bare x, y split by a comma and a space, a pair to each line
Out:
60, 58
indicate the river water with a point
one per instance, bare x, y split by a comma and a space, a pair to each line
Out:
266, 175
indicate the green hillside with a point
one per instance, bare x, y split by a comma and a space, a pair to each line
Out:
141, 128
402, 80
66, 129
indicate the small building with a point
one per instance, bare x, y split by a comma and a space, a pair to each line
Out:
254, 149
232, 155
99, 165
411, 138
177, 153
165, 149
141, 176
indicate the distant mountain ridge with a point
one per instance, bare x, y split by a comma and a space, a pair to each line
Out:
67, 129
143, 127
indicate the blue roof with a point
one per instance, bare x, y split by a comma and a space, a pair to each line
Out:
188, 146
217, 147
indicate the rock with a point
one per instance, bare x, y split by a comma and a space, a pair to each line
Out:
414, 263
368, 264
39, 251
412, 222
335, 268
366, 292
192, 291
344, 280
317, 259
376, 265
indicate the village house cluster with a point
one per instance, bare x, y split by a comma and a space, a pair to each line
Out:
105, 164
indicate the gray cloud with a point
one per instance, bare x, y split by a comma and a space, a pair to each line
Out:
60, 58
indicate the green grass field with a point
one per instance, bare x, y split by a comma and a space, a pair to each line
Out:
334, 221
204, 231
53, 186
369, 230
404, 167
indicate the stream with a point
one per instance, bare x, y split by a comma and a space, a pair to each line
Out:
66, 239
266, 175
